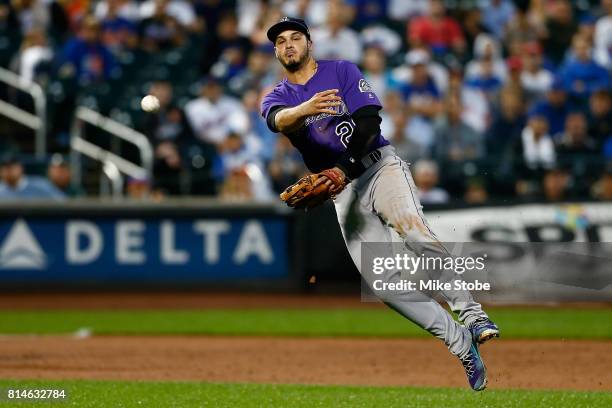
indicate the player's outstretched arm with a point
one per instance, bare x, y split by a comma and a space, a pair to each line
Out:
289, 120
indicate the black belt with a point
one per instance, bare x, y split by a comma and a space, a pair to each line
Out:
373, 157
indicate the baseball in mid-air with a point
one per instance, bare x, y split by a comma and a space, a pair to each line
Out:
149, 103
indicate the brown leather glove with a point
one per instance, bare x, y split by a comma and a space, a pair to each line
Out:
314, 189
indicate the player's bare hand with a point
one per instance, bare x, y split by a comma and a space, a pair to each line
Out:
322, 102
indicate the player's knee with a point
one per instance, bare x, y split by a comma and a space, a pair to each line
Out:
406, 223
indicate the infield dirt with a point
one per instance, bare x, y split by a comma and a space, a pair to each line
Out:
528, 364
575, 365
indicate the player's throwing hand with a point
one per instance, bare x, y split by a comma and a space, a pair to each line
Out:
322, 102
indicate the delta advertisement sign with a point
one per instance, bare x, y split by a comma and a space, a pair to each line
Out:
108, 250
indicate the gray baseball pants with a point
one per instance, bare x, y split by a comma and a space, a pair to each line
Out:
382, 206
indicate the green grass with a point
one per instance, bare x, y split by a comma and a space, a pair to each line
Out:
85, 394
557, 323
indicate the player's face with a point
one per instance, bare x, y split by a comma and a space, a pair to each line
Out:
292, 49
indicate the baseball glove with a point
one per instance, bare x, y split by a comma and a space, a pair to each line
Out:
314, 189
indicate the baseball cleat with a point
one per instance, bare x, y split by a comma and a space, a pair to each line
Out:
483, 330
475, 368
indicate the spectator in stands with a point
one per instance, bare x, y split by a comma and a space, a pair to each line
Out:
213, 114
602, 190
400, 134
477, 110
124, 9
59, 173
402, 10
161, 30
496, 15
488, 57
267, 18
521, 29
286, 165
513, 81
180, 10
258, 74
436, 30
32, 14
249, 14
535, 79
555, 107
262, 138
600, 115
456, 142
603, 37
211, 11
580, 74
438, 72
507, 125
473, 28
575, 138
367, 12
586, 27
534, 154
486, 81
475, 191
238, 158
15, 185
559, 30
118, 32
335, 40
383, 37
10, 32
141, 189
170, 134
75, 11
375, 70
86, 58
34, 53
556, 185
422, 98
225, 48
236, 186
426, 177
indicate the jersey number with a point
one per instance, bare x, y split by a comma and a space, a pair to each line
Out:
345, 130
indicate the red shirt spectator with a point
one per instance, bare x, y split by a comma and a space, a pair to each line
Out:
436, 30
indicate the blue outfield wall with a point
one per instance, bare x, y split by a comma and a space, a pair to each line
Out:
139, 246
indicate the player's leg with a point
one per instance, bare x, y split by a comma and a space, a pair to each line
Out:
360, 224
395, 200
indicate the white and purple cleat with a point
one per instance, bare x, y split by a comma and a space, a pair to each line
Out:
483, 330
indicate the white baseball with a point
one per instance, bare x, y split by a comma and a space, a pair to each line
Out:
149, 103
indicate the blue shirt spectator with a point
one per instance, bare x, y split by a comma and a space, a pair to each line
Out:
412, 91
15, 185
86, 57
580, 74
31, 188
368, 11
496, 14
554, 108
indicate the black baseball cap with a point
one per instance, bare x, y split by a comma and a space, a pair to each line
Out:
288, 23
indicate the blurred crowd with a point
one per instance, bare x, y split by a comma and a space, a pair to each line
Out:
490, 100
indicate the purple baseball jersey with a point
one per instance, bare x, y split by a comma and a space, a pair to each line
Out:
326, 136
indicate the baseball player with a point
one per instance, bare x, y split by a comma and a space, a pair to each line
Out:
330, 114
